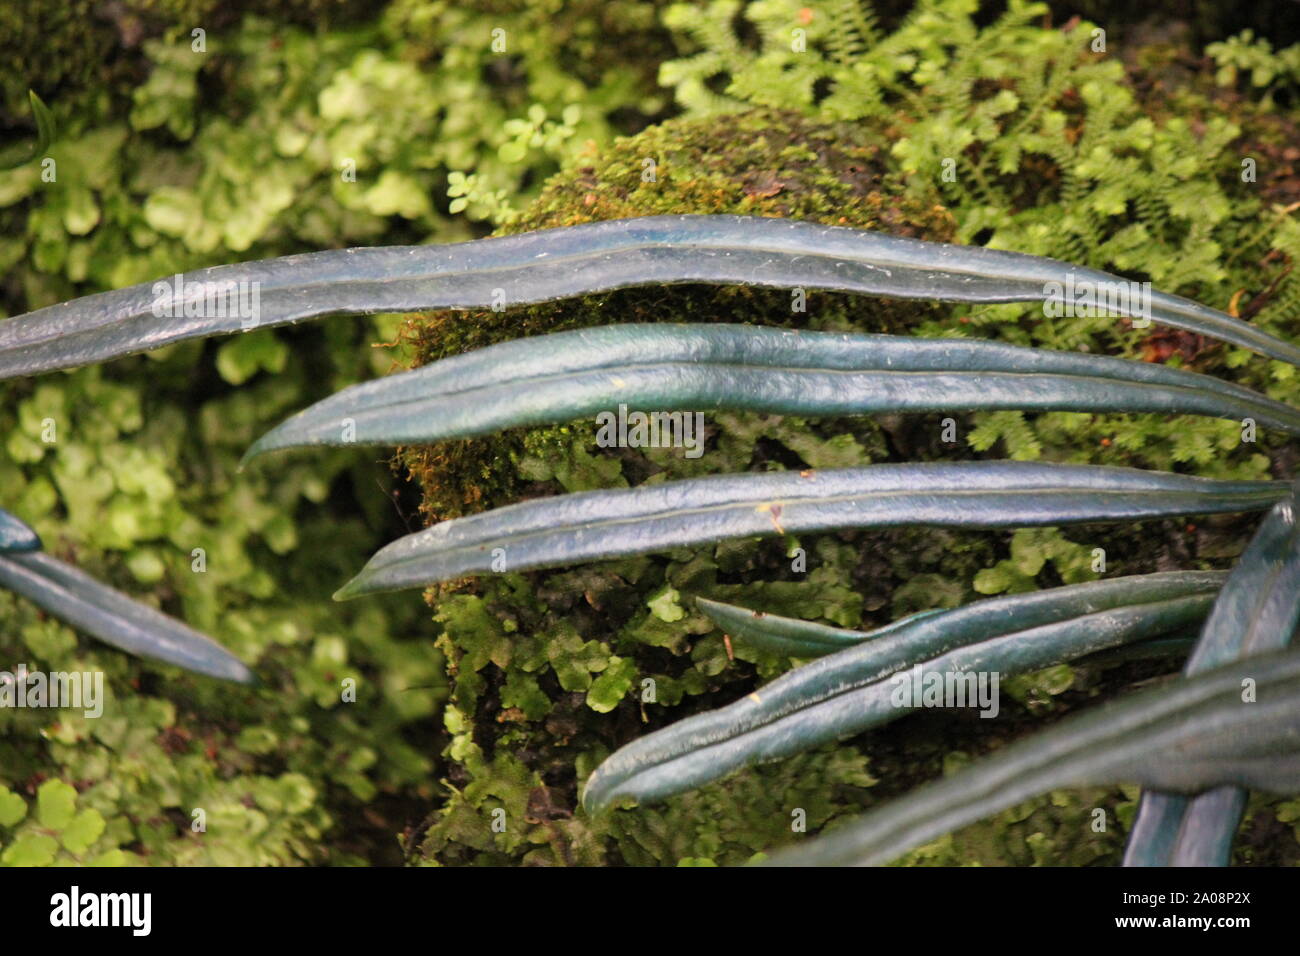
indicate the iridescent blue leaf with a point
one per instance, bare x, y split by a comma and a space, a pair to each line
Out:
570, 261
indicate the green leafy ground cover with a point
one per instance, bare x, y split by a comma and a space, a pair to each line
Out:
502, 694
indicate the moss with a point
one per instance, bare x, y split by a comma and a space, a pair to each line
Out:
57, 47
548, 669
597, 41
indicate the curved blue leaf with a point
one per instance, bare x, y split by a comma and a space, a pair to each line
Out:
1257, 611
547, 532
87, 605
1187, 736
568, 375
570, 261
854, 689
15, 535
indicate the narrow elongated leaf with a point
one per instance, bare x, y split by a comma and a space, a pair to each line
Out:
807, 640
575, 260
855, 689
547, 532
1186, 736
23, 153
15, 535
791, 636
1257, 611
1157, 648
114, 618
568, 375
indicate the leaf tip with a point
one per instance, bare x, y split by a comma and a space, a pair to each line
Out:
353, 589
259, 448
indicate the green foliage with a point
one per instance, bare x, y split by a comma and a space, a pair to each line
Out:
1032, 549
237, 153
140, 489
1056, 154
1053, 153
320, 139
130, 469
1248, 54
57, 832
1049, 150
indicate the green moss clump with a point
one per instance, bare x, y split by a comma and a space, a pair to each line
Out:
547, 669
551, 671
755, 163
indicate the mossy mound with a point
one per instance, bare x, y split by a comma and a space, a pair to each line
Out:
550, 670
553, 670
757, 163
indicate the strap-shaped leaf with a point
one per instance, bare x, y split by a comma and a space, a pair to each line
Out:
791, 637
559, 263
114, 618
568, 375
1186, 736
1257, 611
854, 689
15, 535
547, 532
20, 154
1156, 648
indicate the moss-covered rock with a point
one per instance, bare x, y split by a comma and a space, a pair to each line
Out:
549, 669
552, 670
758, 163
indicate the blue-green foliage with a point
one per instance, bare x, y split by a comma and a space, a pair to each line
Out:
142, 470
129, 470
1050, 152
